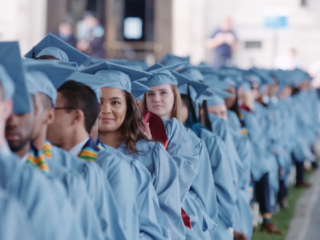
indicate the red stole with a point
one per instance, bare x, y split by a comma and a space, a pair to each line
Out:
158, 132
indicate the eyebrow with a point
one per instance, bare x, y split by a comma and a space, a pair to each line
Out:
115, 98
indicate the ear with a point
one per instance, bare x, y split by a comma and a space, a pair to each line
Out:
7, 108
49, 116
78, 117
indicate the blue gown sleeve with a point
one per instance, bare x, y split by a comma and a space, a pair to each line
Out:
98, 190
119, 175
14, 223
77, 194
183, 152
45, 200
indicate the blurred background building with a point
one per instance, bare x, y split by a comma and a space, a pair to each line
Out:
268, 33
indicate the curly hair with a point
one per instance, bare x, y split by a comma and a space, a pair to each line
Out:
132, 128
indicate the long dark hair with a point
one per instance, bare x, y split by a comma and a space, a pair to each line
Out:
132, 128
207, 122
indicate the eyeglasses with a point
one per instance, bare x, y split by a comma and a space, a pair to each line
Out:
65, 108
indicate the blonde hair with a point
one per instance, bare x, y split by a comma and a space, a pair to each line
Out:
176, 109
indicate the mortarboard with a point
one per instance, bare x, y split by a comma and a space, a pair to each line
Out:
171, 59
162, 75
53, 46
116, 76
55, 72
215, 100
10, 59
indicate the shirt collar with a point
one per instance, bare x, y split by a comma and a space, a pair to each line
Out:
25, 157
77, 148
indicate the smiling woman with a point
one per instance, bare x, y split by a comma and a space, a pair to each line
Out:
121, 120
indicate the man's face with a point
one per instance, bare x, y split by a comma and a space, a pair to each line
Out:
19, 130
58, 131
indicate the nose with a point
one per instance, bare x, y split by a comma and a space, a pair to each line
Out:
105, 108
12, 121
156, 98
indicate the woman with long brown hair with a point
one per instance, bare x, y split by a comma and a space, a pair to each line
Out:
121, 128
186, 149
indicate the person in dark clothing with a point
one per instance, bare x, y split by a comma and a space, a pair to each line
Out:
223, 41
65, 33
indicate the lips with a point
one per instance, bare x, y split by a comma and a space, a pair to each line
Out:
12, 136
157, 106
106, 120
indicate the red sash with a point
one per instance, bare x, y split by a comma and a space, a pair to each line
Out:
158, 132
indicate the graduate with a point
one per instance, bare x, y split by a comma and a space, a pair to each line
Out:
264, 164
121, 128
152, 221
164, 100
74, 118
74, 183
45, 200
189, 99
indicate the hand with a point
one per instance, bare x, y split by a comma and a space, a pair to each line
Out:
229, 38
147, 131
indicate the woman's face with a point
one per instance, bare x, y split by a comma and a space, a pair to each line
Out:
160, 100
184, 112
219, 110
230, 101
113, 109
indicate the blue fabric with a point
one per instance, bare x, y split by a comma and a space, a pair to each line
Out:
55, 72
203, 192
53, 46
98, 189
10, 59
14, 223
116, 76
43, 198
215, 100
171, 59
135, 195
223, 50
42, 84
77, 193
165, 181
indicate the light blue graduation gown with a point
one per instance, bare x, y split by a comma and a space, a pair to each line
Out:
186, 157
222, 175
203, 191
48, 208
243, 217
98, 190
164, 177
77, 194
151, 222
258, 124
14, 223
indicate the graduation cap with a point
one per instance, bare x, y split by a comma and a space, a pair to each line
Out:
7, 83
93, 61
138, 89
171, 59
215, 100
192, 73
162, 75
53, 46
55, 72
10, 59
116, 76
38, 81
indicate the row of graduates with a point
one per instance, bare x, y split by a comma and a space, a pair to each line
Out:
83, 159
